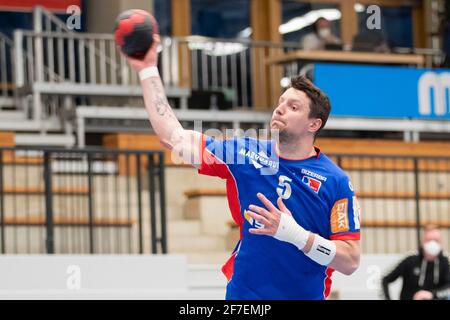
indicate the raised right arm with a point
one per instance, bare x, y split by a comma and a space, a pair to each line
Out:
162, 118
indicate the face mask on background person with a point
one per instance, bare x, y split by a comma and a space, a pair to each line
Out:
324, 32
432, 248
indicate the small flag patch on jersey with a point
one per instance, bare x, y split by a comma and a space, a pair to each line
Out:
314, 184
339, 216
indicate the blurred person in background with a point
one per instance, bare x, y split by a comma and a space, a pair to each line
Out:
426, 274
321, 37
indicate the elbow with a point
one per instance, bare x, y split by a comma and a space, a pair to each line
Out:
167, 144
351, 267
175, 140
349, 270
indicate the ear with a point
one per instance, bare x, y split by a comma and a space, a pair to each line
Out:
315, 125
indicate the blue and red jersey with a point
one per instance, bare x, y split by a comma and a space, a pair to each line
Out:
316, 191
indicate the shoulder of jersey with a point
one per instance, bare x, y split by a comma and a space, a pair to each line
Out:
332, 167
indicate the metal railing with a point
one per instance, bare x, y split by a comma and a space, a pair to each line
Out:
82, 201
398, 195
60, 69
6, 67
91, 53
73, 57
111, 201
225, 65
46, 22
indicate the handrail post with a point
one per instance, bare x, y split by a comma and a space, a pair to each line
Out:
37, 19
18, 59
139, 199
2, 208
417, 199
48, 203
38, 61
152, 202
162, 202
90, 203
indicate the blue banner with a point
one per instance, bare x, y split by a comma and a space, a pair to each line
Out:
386, 92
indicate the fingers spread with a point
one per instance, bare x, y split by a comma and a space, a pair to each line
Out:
282, 206
269, 205
259, 231
258, 217
261, 211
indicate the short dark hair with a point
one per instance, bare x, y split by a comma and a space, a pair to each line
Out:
319, 105
315, 25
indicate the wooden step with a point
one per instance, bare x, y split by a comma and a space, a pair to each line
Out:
41, 190
7, 139
385, 147
10, 159
7, 86
403, 223
58, 220
393, 164
369, 195
192, 193
404, 195
385, 223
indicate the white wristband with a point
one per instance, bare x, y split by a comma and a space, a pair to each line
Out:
148, 73
322, 250
290, 231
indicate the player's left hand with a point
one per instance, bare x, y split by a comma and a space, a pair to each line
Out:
269, 216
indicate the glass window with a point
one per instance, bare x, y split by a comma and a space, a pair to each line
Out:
220, 19
15, 20
396, 25
299, 17
163, 14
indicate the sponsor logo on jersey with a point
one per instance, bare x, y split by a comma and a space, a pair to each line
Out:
253, 222
314, 184
259, 159
314, 175
339, 216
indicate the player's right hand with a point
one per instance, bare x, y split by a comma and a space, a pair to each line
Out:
150, 59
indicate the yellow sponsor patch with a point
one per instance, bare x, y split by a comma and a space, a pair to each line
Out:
253, 222
246, 216
339, 216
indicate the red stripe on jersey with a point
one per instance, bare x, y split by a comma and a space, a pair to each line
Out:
327, 282
346, 236
228, 267
211, 165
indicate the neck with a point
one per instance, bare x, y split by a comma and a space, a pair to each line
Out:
430, 258
299, 149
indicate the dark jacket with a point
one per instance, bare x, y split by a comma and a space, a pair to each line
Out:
420, 274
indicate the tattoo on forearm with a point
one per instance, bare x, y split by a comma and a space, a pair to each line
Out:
161, 105
160, 100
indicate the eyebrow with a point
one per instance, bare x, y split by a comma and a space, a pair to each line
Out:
293, 100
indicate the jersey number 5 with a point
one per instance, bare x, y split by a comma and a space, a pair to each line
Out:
284, 188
